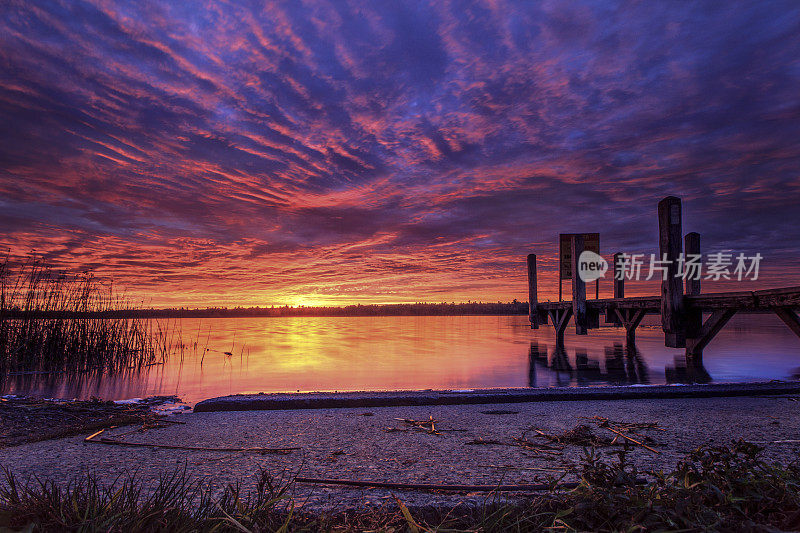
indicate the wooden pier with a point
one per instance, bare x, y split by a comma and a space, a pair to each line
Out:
682, 309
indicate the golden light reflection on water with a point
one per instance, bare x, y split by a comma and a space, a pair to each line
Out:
383, 353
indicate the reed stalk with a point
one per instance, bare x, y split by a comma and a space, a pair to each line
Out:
55, 322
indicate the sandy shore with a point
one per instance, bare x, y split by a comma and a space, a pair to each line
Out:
371, 444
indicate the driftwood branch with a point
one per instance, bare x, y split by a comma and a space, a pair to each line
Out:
106, 440
432, 486
624, 436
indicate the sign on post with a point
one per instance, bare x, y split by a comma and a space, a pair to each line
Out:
591, 242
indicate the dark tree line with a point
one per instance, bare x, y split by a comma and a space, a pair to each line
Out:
416, 309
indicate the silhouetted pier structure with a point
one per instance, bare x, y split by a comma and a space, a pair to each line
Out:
682, 309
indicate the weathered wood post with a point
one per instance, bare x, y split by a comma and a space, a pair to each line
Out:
619, 277
619, 289
694, 317
533, 298
578, 288
691, 246
670, 235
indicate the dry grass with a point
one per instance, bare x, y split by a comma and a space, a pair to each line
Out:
726, 488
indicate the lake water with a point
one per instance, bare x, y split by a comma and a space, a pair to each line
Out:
458, 352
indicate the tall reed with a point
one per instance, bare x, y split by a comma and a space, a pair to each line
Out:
58, 322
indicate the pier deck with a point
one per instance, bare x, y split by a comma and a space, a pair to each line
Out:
682, 311
746, 301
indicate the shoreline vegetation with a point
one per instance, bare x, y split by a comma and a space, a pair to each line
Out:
714, 488
51, 322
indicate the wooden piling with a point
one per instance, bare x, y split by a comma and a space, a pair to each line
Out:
533, 298
694, 317
592, 318
681, 312
578, 288
619, 277
691, 246
619, 288
673, 321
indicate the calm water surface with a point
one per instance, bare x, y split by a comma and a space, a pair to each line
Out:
379, 353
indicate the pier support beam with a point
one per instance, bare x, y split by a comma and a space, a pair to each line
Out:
630, 318
669, 242
578, 288
533, 298
789, 317
710, 328
560, 319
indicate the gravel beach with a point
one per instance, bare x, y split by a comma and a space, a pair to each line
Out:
373, 445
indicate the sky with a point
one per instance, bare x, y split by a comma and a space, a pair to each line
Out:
306, 153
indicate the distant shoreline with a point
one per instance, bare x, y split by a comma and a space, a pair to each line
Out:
419, 309
382, 310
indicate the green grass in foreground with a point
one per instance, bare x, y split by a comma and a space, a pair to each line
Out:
713, 489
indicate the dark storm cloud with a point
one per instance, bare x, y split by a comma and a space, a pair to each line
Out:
389, 150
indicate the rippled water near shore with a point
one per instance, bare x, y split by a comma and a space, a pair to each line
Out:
442, 352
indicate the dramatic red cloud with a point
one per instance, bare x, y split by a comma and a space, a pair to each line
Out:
220, 154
